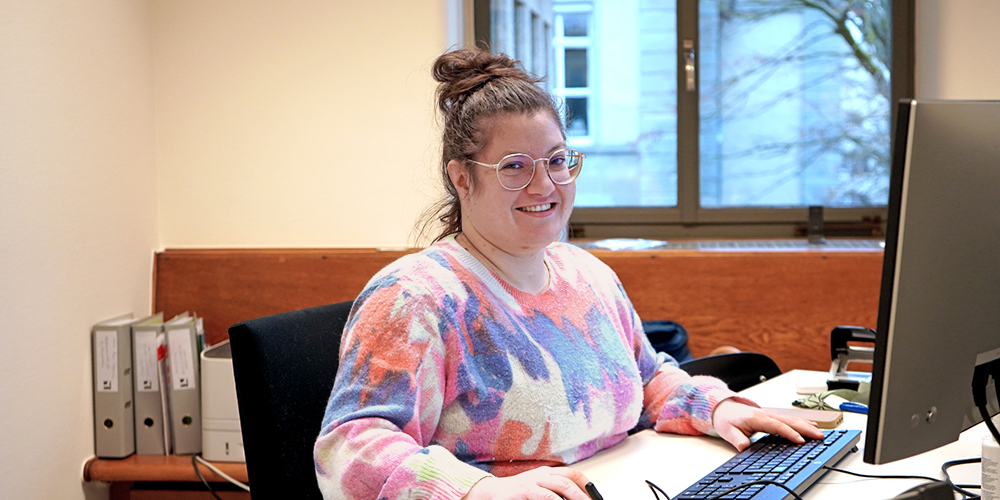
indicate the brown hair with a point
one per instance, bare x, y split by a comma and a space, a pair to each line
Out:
475, 86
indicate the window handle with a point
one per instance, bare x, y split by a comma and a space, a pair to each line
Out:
689, 67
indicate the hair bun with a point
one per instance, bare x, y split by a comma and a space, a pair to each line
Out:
462, 72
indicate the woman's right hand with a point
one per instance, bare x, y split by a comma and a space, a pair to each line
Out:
543, 483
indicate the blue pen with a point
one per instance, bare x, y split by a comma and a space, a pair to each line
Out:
854, 407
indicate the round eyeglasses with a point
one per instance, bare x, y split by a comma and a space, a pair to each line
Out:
516, 171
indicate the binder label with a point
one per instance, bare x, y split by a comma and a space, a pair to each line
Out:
181, 354
145, 365
106, 359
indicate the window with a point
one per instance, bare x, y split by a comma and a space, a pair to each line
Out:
727, 117
572, 69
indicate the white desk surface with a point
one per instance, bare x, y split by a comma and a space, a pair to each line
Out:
673, 462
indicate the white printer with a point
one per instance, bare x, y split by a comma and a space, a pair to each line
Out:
221, 439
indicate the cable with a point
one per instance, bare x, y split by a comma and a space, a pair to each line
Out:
223, 474
956, 487
654, 488
719, 495
194, 463
980, 379
196, 459
961, 487
874, 476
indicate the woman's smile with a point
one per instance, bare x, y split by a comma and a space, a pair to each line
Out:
547, 207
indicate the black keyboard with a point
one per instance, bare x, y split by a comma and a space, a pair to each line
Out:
774, 458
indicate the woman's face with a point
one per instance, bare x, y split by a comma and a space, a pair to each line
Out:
516, 222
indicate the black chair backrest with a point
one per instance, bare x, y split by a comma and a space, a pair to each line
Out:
284, 366
738, 370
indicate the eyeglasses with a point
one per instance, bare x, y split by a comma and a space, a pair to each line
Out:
516, 171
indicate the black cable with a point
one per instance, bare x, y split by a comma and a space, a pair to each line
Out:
874, 476
956, 487
995, 373
980, 379
194, 462
718, 496
989, 421
961, 487
654, 488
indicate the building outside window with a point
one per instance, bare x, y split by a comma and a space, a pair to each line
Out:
714, 112
572, 68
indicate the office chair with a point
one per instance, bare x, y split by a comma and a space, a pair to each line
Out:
738, 370
284, 366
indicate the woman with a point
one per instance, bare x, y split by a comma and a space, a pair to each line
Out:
477, 367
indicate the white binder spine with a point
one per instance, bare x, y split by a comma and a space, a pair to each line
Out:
183, 388
149, 422
111, 347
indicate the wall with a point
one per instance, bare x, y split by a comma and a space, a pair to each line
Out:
297, 124
77, 222
956, 56
261, 139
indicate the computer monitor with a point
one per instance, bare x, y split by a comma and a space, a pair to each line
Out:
939, 309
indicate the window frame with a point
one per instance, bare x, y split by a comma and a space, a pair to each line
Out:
688, 218
560, 43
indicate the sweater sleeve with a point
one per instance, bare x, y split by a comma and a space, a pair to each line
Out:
375, 441
673, 400
681, 403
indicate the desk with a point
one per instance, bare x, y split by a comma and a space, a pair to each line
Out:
674, 462
174, 471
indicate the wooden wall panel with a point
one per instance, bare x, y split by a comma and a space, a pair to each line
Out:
783, 304
228, 286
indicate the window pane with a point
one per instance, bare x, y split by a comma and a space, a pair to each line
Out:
631, 145
576, 117
792, 112
790, 115
575, 24
576, 68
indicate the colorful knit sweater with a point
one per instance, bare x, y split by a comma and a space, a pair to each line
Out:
448, 374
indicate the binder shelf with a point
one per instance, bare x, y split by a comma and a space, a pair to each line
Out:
171, 472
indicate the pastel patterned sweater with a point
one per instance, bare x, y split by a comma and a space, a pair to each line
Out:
448, 374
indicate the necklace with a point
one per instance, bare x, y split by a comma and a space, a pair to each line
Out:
463, 240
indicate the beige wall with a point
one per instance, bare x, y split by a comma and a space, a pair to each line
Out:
126, 125
956, 49
304, 125
77, 221
294, 124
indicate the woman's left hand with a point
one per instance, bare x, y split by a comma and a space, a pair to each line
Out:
736, 422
